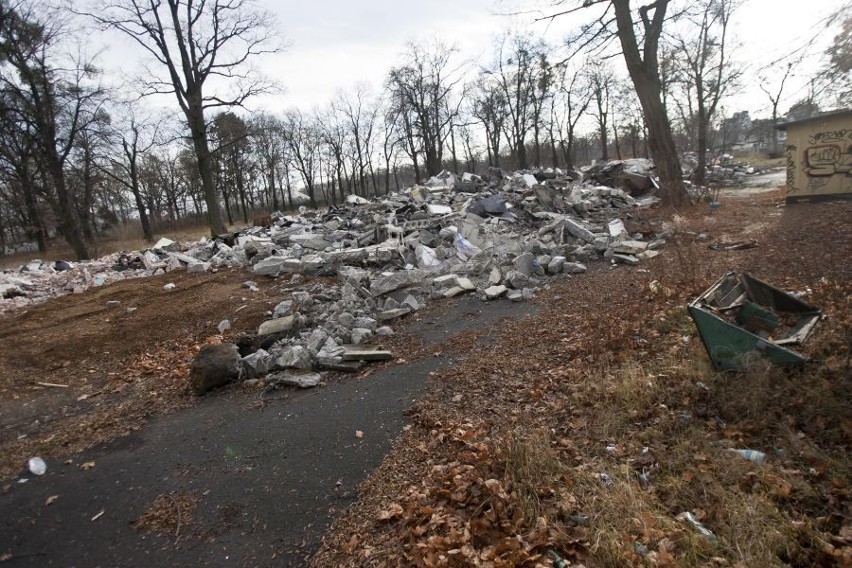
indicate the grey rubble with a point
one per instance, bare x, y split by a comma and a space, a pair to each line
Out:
494, 236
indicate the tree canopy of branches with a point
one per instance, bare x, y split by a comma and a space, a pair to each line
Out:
705, 52
194, 43
422, 94
49, 107
617, 19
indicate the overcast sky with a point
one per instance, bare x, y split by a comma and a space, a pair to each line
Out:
335, 44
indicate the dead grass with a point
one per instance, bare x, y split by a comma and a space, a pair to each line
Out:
531, 466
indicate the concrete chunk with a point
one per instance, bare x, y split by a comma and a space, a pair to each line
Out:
390, 282
629, 247
284, 308
365, 353
276, 325
494, 292
360, 335
294, 357
299, 380
577, 230
257, 364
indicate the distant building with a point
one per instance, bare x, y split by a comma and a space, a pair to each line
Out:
819, 156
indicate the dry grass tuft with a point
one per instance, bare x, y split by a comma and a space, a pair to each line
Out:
532, 465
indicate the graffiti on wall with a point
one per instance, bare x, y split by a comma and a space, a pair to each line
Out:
791, 168
828, 154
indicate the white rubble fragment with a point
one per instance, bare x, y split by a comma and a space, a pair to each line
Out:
494, 292
629, 247
277, 325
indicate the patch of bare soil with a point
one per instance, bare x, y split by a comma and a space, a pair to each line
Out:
75, 373
585, 434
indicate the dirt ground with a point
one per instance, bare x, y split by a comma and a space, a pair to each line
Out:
503, 463
74, 372
584, 434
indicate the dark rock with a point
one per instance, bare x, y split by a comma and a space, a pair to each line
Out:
214, 366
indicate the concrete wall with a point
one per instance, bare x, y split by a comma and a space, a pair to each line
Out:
819, 157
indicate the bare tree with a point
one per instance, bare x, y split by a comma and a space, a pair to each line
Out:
577, 96
600, 79
422, 91
704, 47
135, 137
642, 59
56, 102
192, 42
267, 133
303, 139
359, 113
489, 107
517, 72
775, 98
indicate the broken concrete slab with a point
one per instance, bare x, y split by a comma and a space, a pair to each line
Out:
198, 268
387, 283
365, 353
626, 259
494, 292
293, 379
577, 230
293, 357
630, 247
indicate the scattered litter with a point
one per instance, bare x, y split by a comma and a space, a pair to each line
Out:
224, 326
169, 286
739, 245
751, 455
87, 465
690, 518
740, 316
37, 466
359, 434
99, 515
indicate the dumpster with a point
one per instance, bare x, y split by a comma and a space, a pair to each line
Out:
740, 316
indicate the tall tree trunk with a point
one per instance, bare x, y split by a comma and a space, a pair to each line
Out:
615, 140
198, 131
646, 80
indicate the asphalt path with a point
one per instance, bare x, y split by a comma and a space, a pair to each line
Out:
267, 478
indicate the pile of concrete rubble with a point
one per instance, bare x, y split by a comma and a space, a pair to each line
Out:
495, 235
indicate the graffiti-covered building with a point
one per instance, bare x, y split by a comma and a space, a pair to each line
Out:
819, 156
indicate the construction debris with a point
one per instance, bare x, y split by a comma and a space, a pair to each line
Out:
495, 236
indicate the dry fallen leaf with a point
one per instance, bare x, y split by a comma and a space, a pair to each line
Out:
391, 512
87, 466
51, 500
